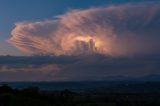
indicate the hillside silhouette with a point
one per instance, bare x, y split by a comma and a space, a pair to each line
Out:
33, 96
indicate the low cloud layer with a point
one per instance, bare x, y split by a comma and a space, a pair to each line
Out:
32, 72
98, 67
113, 31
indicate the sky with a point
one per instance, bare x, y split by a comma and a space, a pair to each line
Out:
78, 39
33, 10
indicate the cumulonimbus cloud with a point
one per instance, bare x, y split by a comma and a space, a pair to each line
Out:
114, 30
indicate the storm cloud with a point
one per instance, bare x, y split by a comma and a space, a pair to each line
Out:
119, 30
87, 44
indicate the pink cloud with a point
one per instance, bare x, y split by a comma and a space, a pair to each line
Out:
115, 31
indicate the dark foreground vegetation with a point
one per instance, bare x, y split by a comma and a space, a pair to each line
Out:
32, 96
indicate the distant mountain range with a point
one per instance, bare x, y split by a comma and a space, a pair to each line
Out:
128, 78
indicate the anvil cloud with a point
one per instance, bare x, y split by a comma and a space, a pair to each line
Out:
113, 31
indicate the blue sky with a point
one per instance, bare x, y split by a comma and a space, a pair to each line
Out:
12, 11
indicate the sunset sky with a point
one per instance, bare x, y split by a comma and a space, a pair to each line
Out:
33, 10
86, 39
16, 11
